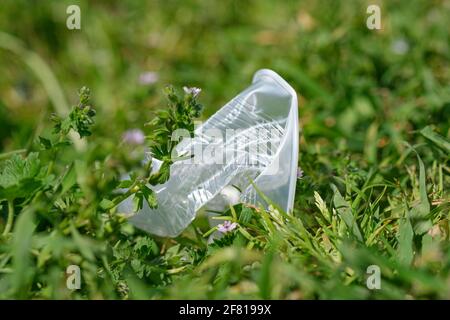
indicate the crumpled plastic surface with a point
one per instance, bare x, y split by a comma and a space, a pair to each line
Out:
259, 143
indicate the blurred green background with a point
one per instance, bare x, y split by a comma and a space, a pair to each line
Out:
347, 76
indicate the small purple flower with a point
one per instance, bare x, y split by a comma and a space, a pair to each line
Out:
299, 173
148, 77
133, 136
226, 227
192, 90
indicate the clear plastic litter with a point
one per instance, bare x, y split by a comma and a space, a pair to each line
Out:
253, 138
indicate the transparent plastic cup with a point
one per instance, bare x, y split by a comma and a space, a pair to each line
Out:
253, 138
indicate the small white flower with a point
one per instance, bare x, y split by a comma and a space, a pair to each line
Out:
149, 77
400, 46
194, 91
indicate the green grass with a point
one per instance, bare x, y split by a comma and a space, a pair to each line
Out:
375, 148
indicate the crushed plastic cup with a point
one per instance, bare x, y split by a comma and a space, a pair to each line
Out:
252, 140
